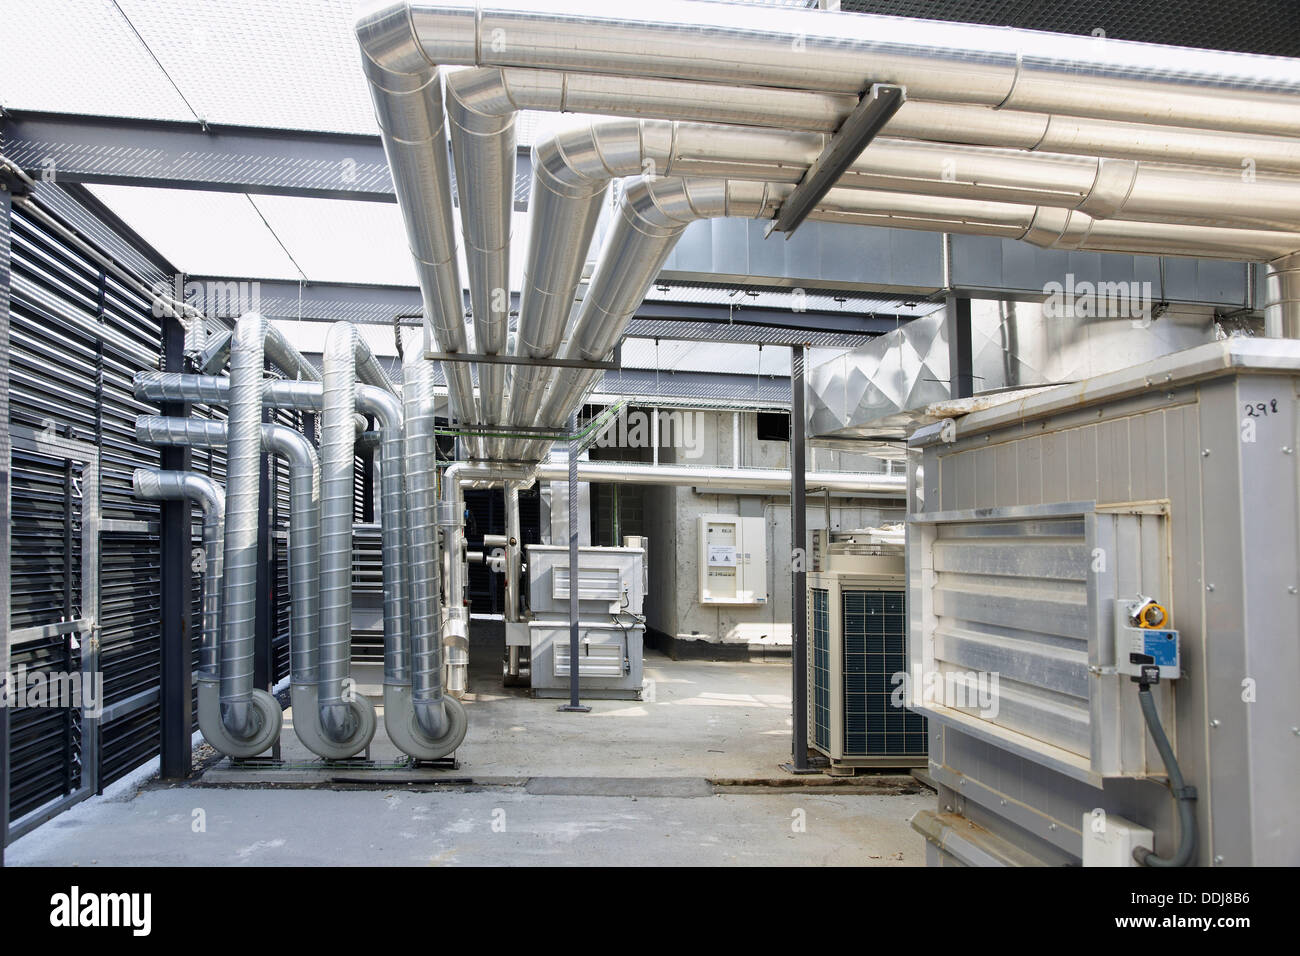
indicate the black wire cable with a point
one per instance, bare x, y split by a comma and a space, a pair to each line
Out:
1185, 795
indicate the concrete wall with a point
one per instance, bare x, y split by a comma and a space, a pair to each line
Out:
669, 518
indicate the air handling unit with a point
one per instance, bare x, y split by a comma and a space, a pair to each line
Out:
1102, 584
857, 663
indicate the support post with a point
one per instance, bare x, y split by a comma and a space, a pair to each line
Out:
573, 704
799, 560
960, 372
175, 714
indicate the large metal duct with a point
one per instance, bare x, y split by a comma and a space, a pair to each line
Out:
483, 144
771, 481
419, 718
346, 717
407, 92
754, 45
239, 588
155, 485
505, 90
1282, 297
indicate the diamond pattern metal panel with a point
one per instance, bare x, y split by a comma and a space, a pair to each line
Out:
81, 56
292, 64
1246, 26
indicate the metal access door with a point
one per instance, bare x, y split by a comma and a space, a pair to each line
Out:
54, 650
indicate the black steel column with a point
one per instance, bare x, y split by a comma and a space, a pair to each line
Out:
799, 561
174, 714
960, 372
6, 201
573, 704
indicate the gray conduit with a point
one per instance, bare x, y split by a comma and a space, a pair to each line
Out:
154, 485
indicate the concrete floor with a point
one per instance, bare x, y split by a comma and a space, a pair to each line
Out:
688, 776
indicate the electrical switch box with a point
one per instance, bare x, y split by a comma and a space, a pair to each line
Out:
733, 560
1109, 840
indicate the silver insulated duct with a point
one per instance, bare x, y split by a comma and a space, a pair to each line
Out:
208, 495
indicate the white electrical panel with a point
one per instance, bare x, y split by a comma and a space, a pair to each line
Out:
733, 560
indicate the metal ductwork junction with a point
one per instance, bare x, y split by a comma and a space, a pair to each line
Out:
703, 111
1004, 133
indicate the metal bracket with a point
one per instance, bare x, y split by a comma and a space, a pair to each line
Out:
876, 108
520, 360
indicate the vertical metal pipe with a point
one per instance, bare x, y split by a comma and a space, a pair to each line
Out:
338, 433
425, 559
573, 561
799, 558
239, 587
513, 547
1282, 297
175, 727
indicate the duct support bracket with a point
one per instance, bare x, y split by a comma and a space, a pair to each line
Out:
876, 108
506, 359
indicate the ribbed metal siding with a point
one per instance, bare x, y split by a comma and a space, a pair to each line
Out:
64, 376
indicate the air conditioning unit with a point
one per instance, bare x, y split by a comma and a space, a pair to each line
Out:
857, 660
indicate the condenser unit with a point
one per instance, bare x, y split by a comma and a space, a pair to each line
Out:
857, 660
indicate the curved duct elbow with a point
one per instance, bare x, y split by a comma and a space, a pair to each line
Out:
152, 485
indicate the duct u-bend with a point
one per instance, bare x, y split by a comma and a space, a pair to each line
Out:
155, 485
399, 564
304, 562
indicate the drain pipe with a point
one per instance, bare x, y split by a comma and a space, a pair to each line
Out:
419, 718
210, 497
451, 516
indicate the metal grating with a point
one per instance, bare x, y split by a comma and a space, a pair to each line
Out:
1245, 26
820, 698
875, 627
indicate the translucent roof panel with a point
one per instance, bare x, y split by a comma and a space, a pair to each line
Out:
202, 233
341, 240
82, 56
291, 63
